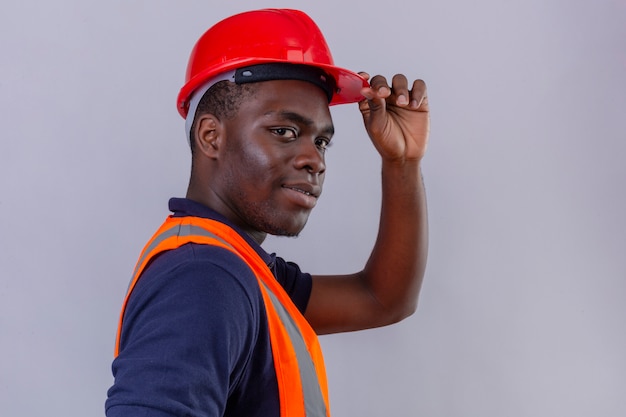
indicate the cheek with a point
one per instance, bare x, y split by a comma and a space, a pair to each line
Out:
256, 167
255, 160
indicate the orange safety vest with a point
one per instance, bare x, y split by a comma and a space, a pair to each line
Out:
298, 361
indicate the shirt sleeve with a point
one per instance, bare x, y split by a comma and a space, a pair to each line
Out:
188, 331
295, 282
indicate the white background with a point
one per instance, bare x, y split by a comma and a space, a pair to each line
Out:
522, 311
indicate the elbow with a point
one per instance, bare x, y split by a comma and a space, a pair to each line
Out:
410, 309
401, 312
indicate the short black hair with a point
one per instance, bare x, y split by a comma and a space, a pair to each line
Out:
221, 100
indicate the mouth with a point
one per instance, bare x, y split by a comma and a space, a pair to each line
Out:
301, 191
305, 195
306, 189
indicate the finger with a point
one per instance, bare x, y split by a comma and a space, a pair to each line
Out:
400, 90
378, 90
373, 108
363, 103
419, 97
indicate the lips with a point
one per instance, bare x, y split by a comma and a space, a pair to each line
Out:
303, 194
306, 189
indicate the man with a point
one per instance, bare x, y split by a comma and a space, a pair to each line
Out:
212, 324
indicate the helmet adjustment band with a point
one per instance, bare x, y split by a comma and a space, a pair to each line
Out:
285, 71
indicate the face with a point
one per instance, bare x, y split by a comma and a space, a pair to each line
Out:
272, 166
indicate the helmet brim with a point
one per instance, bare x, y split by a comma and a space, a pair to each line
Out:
349, 83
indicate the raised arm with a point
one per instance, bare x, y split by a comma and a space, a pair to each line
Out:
396, 118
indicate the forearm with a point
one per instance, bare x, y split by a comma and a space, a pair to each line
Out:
395, 269
386, 290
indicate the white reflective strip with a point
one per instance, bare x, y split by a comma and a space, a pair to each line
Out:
180, 230
314, 404
197, 95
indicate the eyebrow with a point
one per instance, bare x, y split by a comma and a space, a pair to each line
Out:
298, 118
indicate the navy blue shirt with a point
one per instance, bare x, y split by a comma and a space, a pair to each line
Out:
195, 340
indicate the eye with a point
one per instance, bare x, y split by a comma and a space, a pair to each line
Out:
322, 143
285, 132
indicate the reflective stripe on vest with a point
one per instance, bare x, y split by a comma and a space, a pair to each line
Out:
298, 360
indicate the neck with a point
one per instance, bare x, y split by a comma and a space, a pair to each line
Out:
198, 193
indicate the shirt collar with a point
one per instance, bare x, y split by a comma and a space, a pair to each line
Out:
181, 207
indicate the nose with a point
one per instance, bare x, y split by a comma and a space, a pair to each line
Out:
310, 157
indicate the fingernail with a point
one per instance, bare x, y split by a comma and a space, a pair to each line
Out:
402, 100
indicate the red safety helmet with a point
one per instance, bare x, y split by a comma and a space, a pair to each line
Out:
265, 36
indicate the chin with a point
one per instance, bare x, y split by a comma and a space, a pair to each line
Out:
278, 223
287, 232
291, 230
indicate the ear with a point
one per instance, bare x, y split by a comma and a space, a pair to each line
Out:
208, 135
